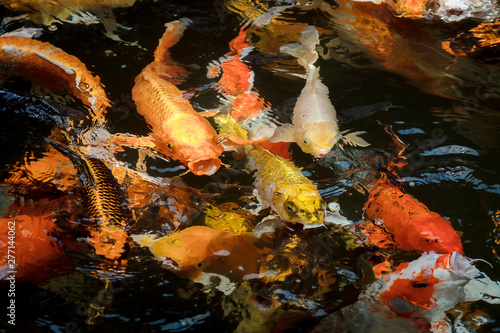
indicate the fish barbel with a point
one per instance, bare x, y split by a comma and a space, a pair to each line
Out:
178, 130
54, 68
315, 128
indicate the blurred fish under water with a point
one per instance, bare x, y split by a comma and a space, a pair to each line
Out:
250, 166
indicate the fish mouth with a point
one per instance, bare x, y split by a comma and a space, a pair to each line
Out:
171, 263
205, 167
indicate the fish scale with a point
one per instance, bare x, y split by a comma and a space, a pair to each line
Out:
103, 201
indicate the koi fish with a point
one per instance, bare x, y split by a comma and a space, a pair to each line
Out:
198, 249
415, 296
29, 244
447, 10
104, 204
177, 129
52, 67
314, 123
236, 86
278, 182
467, 44
412, 224
228, 217
46, 12
236, 82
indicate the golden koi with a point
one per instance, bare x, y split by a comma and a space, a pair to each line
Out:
314, 123
44, 63
178, 130
278, 182
198, 249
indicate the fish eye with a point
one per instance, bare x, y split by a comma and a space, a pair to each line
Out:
289, 207
200, 265
169, 146
306, 141
175, 241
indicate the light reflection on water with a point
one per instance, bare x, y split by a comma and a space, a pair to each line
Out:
451, 129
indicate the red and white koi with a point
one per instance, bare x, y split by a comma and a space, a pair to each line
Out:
415, 296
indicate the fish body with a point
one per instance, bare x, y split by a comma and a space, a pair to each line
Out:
44, 63
412, 224
105, 207
282, 186
314, 120
199, 249
415, 297
178, 130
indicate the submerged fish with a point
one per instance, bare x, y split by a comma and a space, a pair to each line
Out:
315, 128
52, 67
31, 249
412, 224
198, 249
415, 296
447, 10
178, 130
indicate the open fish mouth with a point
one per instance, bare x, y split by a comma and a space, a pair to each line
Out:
205, 167
171, 263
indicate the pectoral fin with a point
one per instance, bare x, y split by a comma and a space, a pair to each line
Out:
283, 133
354, 139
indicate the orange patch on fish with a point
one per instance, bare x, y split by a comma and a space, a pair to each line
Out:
199, 249
412, 224
52, 67
417, 291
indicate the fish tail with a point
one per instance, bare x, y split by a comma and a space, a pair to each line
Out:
171, 36
354, 139
305, 51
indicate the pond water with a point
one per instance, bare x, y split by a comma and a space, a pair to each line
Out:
382, 71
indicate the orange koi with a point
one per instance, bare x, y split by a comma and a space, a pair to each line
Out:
29, 244
236, 82
177, 129
412, 224
198, 249
52, 67
236, 85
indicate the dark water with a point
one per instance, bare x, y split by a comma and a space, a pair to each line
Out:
445, 111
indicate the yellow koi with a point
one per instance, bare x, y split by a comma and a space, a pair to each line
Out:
278, 182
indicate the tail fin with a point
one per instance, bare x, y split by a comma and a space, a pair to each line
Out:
305, 51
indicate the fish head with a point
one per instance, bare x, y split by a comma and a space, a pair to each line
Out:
198, 148
318, 138
304, 205
427, 234
184, 251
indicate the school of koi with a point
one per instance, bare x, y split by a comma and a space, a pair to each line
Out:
89, 202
